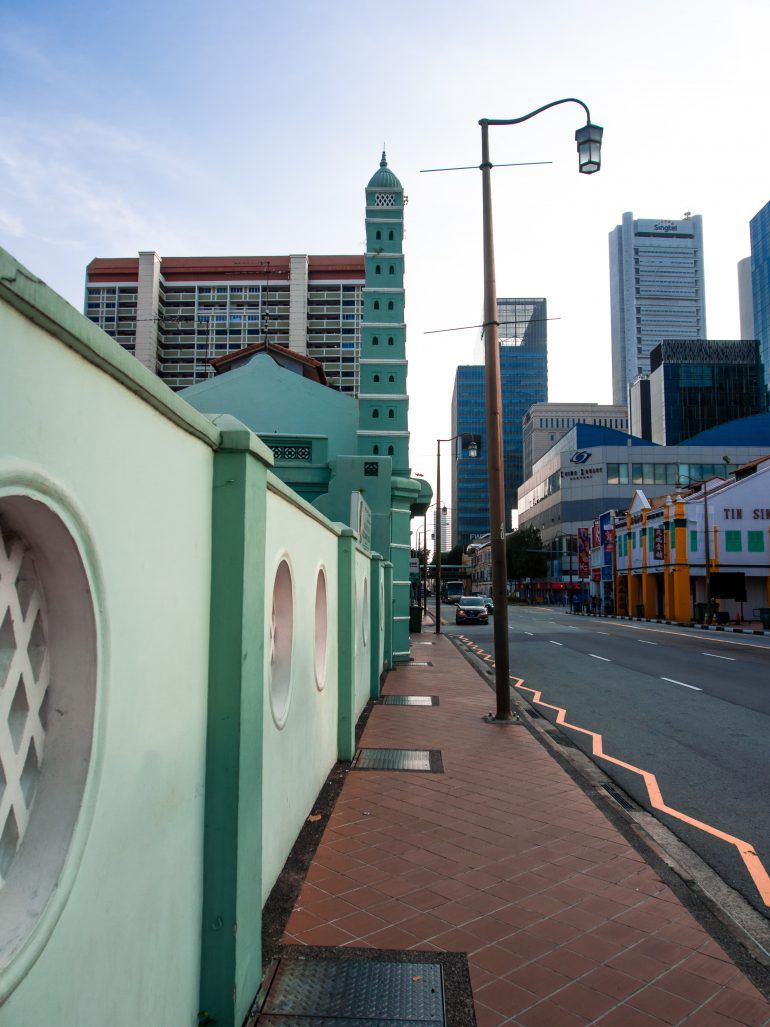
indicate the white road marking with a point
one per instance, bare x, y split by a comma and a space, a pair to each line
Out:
687, 634
718, 657
683, 684
600, 657
645, 641
602, 632
529, 632
555, 643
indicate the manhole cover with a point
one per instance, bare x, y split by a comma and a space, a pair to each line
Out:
398, 759
409, 700
360, 992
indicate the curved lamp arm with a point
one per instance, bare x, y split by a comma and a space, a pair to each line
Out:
532, 114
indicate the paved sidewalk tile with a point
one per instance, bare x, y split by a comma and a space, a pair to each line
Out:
503, 857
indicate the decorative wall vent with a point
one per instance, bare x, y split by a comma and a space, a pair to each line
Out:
24, 676
299, 451
371, 469
48, 683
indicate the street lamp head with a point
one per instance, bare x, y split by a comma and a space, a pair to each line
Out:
473, 449
589, 145
443, 509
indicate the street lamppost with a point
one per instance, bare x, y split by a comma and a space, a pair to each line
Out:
471, 444
589, 140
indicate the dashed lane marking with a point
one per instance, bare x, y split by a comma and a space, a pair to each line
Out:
555, 643
751, 860
716, 656
646, 641
606, 660
684, 684
687, 634
529, 633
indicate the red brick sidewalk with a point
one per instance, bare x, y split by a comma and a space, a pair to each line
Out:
503, 857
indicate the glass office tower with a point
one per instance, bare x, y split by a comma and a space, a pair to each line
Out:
524, 381
696, 384
759, 229
656, 291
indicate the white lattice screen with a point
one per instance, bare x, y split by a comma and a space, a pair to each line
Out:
24, 676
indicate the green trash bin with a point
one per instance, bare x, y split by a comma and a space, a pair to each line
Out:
764, 616
415, 618
700, 612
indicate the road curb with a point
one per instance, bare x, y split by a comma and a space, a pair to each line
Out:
729, 918
673, 623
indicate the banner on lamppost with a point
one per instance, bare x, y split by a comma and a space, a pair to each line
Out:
584, 552
609, 539
657, 544
595, 535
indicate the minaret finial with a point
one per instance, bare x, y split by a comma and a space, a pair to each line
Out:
384, 160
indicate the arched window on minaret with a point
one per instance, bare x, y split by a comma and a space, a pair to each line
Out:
391, 378
390, 304
376, 305
375, 412
391, 270
377, 269
375, 340
390, 340
390, 235
391, 414
376, 378
378, 234
376, 450
390, 451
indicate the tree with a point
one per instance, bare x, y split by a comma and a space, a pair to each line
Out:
454, 556
525, 556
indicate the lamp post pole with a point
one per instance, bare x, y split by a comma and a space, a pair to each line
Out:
472, 451
588, 141
425, 562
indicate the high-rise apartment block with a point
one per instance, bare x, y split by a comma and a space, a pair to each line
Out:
545, 423
759, 230
524, 381
656, 291
697, 384
175, 314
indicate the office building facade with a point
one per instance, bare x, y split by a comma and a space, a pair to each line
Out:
524, 382
656, 291
759, 231
175, 314
696, 384
746, 299
639, 407
545, 423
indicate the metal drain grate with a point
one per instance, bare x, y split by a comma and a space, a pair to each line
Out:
562, 740
409, 700
354, 992
534, 713
399, 759
621, 799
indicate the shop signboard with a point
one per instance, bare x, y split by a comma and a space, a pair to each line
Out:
584, 552
657, 544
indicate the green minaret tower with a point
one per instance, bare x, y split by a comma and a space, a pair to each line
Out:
383, 426
383, 402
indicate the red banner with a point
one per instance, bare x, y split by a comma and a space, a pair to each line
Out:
584, 552
609, 539
657, 544
596, 574
595, 542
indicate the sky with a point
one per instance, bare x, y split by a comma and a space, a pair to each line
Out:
253, 127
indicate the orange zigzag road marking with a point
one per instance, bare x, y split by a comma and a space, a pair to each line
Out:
751, 860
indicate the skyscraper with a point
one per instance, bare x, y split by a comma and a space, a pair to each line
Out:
656, 291
175, 314
524, 381
759, 229
697, 384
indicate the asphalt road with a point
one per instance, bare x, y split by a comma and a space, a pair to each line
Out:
690, 706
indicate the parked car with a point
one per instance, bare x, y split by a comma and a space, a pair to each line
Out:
471, 609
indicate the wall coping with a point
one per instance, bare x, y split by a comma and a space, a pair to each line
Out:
35, 300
